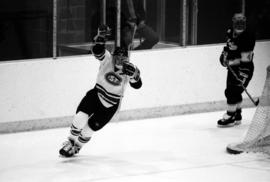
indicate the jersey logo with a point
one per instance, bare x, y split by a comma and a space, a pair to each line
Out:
113, 78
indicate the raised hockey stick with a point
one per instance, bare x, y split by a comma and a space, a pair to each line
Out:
133, 36
255, 102
132, 14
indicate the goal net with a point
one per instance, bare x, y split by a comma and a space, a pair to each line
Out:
257, 138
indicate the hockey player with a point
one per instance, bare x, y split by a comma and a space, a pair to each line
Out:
238, 54
101, 103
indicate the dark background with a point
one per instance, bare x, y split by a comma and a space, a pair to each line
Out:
26, 27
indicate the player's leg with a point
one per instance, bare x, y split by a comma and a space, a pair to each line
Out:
84, 110
149, 36
233, 93
99, 117
97, 121
127, 36
85, 135
80, 119
245, 74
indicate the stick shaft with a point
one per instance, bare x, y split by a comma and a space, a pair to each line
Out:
245, 89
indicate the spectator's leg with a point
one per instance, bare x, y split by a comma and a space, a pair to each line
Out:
150, 37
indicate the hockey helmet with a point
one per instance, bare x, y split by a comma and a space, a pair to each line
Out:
120, 55
239, 22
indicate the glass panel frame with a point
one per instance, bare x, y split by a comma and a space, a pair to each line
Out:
32, 29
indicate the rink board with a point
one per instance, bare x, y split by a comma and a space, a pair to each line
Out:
44, 93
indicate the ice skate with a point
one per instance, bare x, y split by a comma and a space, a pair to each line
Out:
69, 149
229, 120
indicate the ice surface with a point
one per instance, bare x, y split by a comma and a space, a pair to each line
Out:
188, 148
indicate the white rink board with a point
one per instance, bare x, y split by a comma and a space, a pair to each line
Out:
48, 88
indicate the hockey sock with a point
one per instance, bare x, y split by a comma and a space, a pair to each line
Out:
231, 108
238, 106
74, 133
84, 136
79, 121
82, 140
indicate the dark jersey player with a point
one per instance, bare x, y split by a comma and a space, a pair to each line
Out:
237, 54
101, 103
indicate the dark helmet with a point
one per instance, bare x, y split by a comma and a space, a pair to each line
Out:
239, 22
120, 55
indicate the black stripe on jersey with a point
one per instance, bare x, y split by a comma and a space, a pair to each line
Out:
108, 97
108, 93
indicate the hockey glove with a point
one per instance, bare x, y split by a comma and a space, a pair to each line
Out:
99, 39
223, 57
104, 31
244, 74
102, 34
131, 70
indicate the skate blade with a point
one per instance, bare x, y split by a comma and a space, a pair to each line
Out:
65, 157
226, 126
230, 125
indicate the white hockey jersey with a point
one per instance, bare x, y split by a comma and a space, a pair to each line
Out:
110, 83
